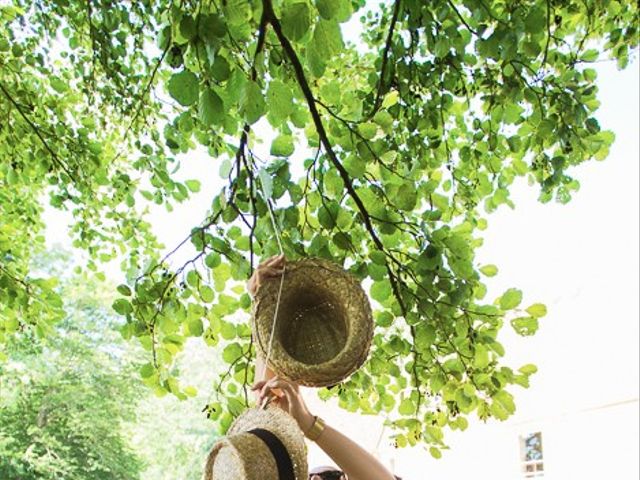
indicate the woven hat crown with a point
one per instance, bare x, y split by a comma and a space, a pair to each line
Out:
323, 328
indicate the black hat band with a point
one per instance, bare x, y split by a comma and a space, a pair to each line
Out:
279, 452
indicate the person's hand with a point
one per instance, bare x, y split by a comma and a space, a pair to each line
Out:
287, 396
271, 268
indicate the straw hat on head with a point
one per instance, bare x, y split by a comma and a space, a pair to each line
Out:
260, 445
324, 326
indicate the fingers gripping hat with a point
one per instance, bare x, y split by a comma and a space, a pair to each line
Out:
260, 445
324, 325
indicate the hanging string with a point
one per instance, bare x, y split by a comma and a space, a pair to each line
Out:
275, 315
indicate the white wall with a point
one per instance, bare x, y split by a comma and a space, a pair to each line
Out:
593, 444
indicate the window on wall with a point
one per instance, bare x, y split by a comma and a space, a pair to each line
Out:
531, 455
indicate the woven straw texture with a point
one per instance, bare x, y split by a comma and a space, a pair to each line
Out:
324, 326
243, 456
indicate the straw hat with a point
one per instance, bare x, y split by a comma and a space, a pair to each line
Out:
324, 326
260, 445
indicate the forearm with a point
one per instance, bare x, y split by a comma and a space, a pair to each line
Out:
355, 461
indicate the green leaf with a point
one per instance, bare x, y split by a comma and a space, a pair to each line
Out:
206, 294
266, 183
190, 391
252, 104
124, 290
343, 241
384, 319
228, 331
407, 407
433, 433
405, 197
122, 306
212, 260
380, 291
383, 118
510, 299
225, 168
210, 108
282, 146
435, 452
368, 130
425, 336
195, 327
442, 47
231, 352
327, 38
59, 85
462, 423
525, 326
188, 28
193, 185
528, 369
327, 216
280, 100
183, 87
211, 27
505, 399
498, 411
535, 21
338, 9
331, 92
437, 381
296, 20
390, 99
193, 278
537, 310
237, 12
316, 60
590, 55
220, 69
481, 358
489, 270
147, 370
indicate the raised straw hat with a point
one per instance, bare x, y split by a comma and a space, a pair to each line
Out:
324, 326
262, 444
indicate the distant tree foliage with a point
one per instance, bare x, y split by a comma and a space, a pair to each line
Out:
415, 135
63, 403
74, 407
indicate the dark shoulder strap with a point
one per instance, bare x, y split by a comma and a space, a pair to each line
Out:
279, 452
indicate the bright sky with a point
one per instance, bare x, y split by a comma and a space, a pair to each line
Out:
580, 259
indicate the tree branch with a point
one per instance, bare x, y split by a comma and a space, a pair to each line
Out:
306, 90
385, 58
546, 47
144, 93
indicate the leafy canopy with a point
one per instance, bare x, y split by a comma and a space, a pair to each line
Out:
411, 137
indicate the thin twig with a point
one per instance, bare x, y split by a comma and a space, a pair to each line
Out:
464, 22
385, 58
37, 132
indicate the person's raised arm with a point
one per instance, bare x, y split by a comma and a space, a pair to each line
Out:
354, 460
